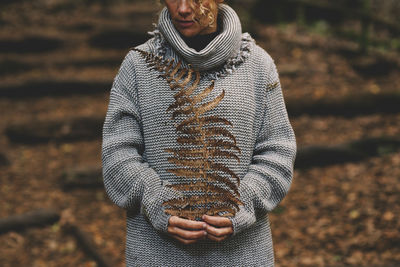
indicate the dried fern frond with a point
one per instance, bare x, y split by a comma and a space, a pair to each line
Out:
211, 138
199, 152
203, 121
188, 91
196, 213
224, 144
200, 187
186, 172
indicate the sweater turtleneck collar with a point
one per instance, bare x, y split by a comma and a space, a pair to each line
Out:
223, 47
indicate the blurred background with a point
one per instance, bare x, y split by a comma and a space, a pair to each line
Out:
339, 68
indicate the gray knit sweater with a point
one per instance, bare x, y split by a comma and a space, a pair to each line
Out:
149, 151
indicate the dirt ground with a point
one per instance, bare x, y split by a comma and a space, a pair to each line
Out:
339, 215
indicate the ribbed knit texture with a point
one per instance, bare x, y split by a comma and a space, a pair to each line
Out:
137, 130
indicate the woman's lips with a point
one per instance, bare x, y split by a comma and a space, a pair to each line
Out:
185, 23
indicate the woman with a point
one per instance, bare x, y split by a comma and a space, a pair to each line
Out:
197, 145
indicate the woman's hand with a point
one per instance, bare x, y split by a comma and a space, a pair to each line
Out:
218, 228
186, 231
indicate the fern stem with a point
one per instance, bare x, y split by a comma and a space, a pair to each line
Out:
205, 156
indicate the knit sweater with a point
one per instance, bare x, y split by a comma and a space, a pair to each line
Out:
190, 132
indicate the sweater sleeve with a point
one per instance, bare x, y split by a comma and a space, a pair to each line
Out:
270, 174
128, 179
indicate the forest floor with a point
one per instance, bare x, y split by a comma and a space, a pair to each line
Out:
338, 215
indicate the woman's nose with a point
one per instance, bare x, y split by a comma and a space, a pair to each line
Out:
184, 8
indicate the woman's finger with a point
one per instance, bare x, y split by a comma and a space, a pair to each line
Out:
186, 234
216, 238
219, 232
217, 221
186, 224
182, 240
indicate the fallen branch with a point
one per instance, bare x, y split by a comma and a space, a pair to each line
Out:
54, 88
350, 106
352, 13
3, 160
320, 156
36, 132
117, 39
87, 245
37, 218
82, 177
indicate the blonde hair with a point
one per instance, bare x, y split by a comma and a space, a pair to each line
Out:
204, 15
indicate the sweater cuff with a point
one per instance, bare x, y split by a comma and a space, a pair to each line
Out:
154, 195
245, 217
